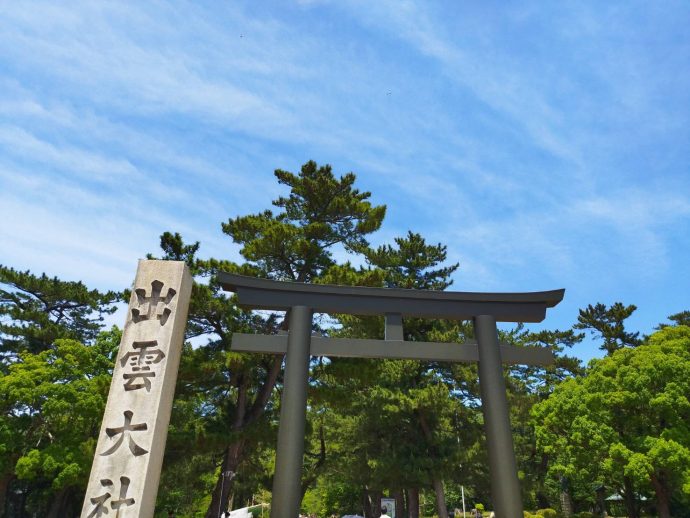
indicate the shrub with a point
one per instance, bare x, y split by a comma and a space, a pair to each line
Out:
547, 513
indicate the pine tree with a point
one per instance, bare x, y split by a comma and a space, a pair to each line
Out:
52, 357
295, 242
608, 324
399, 417
35, 311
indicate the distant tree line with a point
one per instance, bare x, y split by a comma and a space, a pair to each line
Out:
403, 429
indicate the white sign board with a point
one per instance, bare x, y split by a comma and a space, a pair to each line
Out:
389, 505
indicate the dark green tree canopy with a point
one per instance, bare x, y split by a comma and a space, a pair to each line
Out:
608, 324
37, 310
318, 214
626, 423
321, 211
678, 319
414, 264
681, 319
393, 423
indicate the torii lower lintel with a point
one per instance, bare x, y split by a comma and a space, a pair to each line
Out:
484, 309
391, 349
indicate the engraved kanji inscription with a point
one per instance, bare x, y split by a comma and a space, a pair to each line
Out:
131, 438
140, 361
99, 501
155, 304
138, 380
125, 431
123, 500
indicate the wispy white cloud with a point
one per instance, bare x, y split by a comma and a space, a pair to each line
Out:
93, 52
491, 76
540, 143
18, 142
639, 225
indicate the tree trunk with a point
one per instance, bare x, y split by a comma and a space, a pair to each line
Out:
629, 498
4, 486
243, 418
413, 502
372, 503
662, 496
228, 470
541, 494
400, 511
566, 504
375, 503
366, 504
566, 501
600, 506
313, 471
441, 508
22, 503
57, 506
231, 456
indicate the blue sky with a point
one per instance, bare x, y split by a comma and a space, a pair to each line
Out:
547, 144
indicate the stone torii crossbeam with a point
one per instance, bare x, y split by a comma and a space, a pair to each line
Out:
484, 309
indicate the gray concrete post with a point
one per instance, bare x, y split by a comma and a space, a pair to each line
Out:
287, 493
505, 486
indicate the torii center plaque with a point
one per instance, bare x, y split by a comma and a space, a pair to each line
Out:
484, 309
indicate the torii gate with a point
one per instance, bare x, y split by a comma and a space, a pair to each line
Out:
484, 309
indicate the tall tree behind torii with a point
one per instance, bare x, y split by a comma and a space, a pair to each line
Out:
320, 213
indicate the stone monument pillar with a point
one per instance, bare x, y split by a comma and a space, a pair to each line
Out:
129, 455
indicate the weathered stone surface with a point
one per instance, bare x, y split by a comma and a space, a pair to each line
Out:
128, 459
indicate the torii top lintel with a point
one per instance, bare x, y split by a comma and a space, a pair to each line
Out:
257, 293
